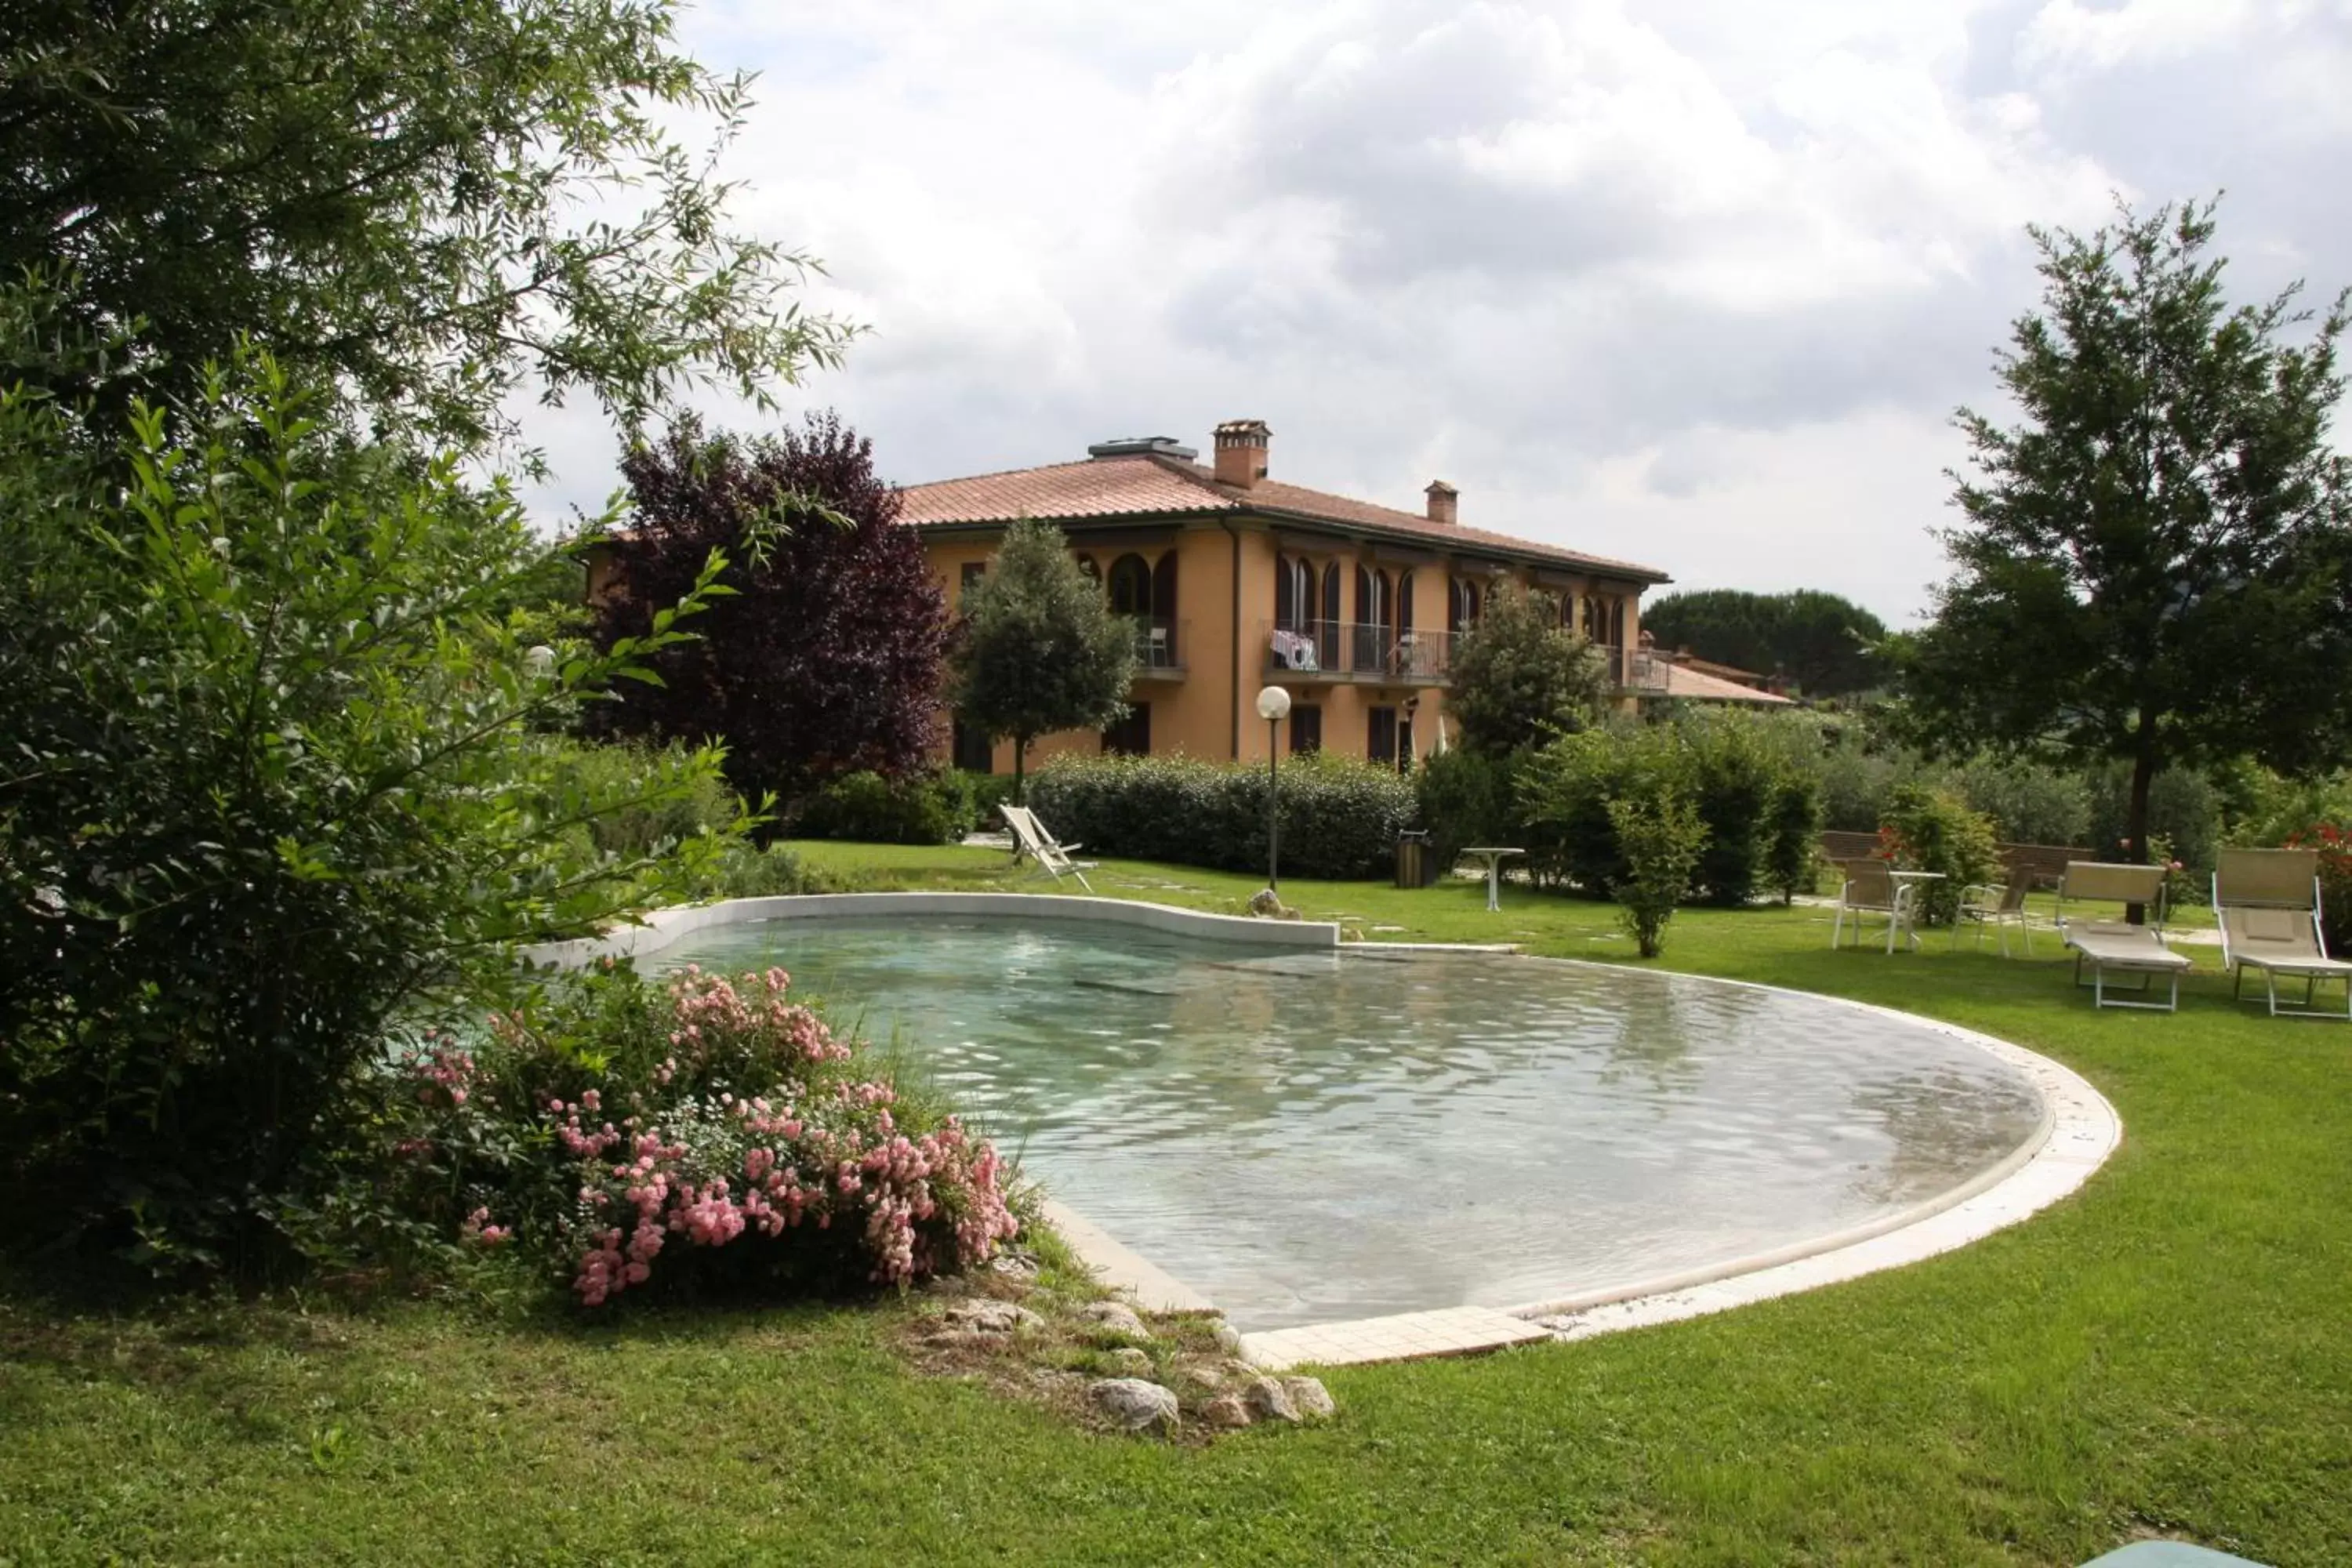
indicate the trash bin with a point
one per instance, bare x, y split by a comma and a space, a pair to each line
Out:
1413, 859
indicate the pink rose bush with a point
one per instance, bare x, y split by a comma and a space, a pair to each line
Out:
704, 1135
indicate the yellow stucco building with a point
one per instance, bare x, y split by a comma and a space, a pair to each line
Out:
1238, 581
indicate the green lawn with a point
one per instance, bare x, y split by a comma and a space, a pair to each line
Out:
2166, 1353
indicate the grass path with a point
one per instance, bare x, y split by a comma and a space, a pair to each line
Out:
2167, 1352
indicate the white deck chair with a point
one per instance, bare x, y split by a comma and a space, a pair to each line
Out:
2267, 902
2118, 945
1051, 855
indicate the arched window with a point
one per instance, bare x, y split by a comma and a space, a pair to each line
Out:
1404, 603
1294, 593
1130, 586
1160, 634
1332, 595
1462, 612
1375, 606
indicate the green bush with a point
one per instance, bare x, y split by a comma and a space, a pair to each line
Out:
920, 808
1750, 780
278, 782
1340, 817
989, 791
650, 826
2184, 808
1465, 799
1563, 793
1735, 781
2029, 802
1663, 842
1929, 830
1793, 842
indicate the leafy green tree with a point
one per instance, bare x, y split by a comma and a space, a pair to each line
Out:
274, 780
1040, 649
433, 204
1662, 838
1823, 644
2155, 561
1519, 676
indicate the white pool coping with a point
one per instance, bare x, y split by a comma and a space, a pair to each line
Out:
664, 927
2079, 1131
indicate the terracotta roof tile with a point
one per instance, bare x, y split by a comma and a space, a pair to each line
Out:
1694, 685
1162, 486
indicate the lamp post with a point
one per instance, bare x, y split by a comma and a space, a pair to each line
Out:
1272, 706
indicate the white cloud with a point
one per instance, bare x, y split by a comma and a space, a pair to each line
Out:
1693, 281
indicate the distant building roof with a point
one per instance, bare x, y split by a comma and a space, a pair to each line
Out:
1696, 686
1159, 483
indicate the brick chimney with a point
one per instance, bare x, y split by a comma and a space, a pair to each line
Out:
1443, 499
1241, 452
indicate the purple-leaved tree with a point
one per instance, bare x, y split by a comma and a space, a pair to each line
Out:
827, 659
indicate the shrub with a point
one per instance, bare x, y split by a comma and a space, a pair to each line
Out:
277, 784
1340, 817
989, 791
2184, 807
2029, 802
1563, 793
1929, 830
920, 808
1747, 778
1662, 841
649, 826
1735, 781
701, 1135
1465, 799
2334, 842
1793, 837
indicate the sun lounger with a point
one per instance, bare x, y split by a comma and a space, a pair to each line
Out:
1051, 855
2268, 904
2118, 946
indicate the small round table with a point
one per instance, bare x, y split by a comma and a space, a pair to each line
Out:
1493, 855
1917, 882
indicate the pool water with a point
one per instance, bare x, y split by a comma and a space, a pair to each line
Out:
1314, 1136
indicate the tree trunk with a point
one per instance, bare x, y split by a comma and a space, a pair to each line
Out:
1020, 756
2143, 765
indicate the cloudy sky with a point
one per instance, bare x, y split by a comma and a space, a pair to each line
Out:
1695, 282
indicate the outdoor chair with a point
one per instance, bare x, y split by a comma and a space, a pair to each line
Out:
2267, 902
1983, 904
1871, 887
2105, 945
1051, 855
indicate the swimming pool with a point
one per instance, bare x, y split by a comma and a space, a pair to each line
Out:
1311, 1136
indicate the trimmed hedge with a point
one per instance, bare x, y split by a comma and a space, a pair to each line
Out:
1340, 818
921, 808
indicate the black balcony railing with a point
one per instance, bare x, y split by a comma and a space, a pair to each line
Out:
1360, 649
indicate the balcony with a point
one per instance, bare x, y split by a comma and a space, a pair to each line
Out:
1160, 645
1356, 651
1634, 671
